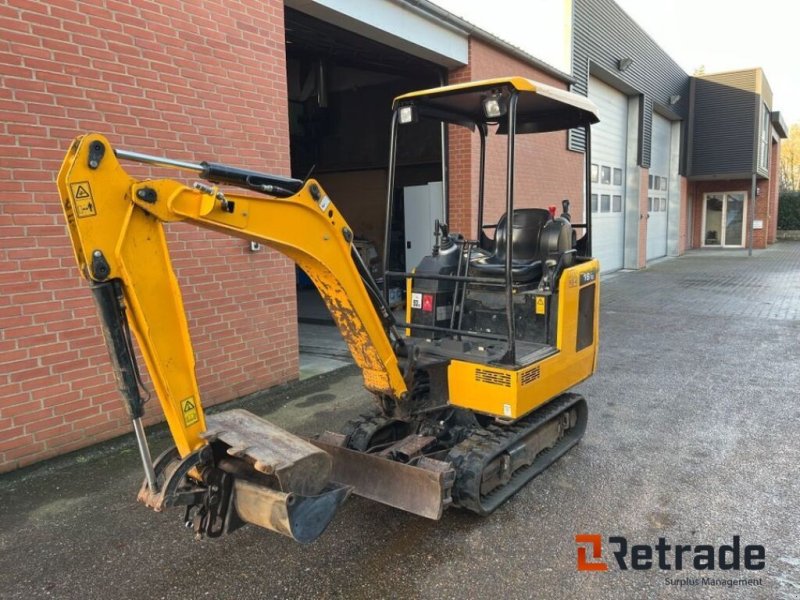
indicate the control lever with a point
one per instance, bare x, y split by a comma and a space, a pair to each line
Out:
546, 284
565, 210
436, 234
447, 242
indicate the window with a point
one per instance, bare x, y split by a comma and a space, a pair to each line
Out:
605, 203
595, 171
617, 176
649, 205
594, 202
657, 183
763, 143
605, 174
649, 182
663, 184
616, 204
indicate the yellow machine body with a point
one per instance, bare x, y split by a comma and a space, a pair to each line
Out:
513, 393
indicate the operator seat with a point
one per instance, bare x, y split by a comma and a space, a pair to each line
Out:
535, 236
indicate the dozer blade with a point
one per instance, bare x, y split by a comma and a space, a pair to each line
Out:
423, 490
280, 481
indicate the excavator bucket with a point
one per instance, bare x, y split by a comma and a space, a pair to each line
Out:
302, 518
280, 481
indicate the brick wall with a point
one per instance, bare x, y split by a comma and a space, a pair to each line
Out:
699, 188
201, 79
546, 172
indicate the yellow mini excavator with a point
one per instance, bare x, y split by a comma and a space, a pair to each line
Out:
470, 387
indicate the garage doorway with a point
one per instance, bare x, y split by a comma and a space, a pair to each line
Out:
340, 87
609, 157
658, 187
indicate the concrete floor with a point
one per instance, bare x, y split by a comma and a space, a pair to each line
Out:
322, 349
693, 436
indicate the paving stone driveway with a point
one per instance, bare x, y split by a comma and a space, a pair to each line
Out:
694, 436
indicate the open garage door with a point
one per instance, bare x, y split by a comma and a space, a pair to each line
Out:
609, 139
341, 86
658, 185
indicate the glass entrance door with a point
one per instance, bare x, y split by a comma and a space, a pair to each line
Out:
723, 219
734, 220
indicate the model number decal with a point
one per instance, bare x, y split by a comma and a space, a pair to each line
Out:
588, 277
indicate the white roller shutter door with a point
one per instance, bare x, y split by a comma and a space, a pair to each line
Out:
609, 139
658, 186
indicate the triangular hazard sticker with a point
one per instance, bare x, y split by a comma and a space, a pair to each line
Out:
81, 193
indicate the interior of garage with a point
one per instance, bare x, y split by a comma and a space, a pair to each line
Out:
341, 86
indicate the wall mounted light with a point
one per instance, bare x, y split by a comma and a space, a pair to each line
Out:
623, 64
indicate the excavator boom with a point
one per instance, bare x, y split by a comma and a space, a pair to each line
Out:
116, 224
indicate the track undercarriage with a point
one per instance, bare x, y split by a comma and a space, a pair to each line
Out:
467, 460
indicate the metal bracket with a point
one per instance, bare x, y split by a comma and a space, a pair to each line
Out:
172, 471
97, 151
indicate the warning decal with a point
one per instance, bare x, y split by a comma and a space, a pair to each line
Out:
84, 202
540, 306
189, 409
416, 300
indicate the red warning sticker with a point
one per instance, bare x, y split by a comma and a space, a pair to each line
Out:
427, 302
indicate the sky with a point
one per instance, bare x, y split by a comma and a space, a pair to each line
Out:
719, 35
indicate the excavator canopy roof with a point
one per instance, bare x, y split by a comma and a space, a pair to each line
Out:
540, 107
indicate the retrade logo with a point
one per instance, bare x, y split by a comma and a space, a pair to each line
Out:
667, 557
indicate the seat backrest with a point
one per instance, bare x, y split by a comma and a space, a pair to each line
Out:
526, 231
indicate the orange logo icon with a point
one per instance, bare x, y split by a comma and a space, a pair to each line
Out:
594, 540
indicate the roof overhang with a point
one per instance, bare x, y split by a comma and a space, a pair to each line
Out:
779, 124
395, 24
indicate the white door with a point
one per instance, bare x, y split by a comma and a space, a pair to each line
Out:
609, 139
422, 205
658, 185
724, 219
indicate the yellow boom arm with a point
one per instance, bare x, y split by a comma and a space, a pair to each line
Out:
116, 226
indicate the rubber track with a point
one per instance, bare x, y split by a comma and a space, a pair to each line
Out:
473, 455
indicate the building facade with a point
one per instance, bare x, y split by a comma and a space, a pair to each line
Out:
287, 87
735, 137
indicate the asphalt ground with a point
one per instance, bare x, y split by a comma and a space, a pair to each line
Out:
693, 436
